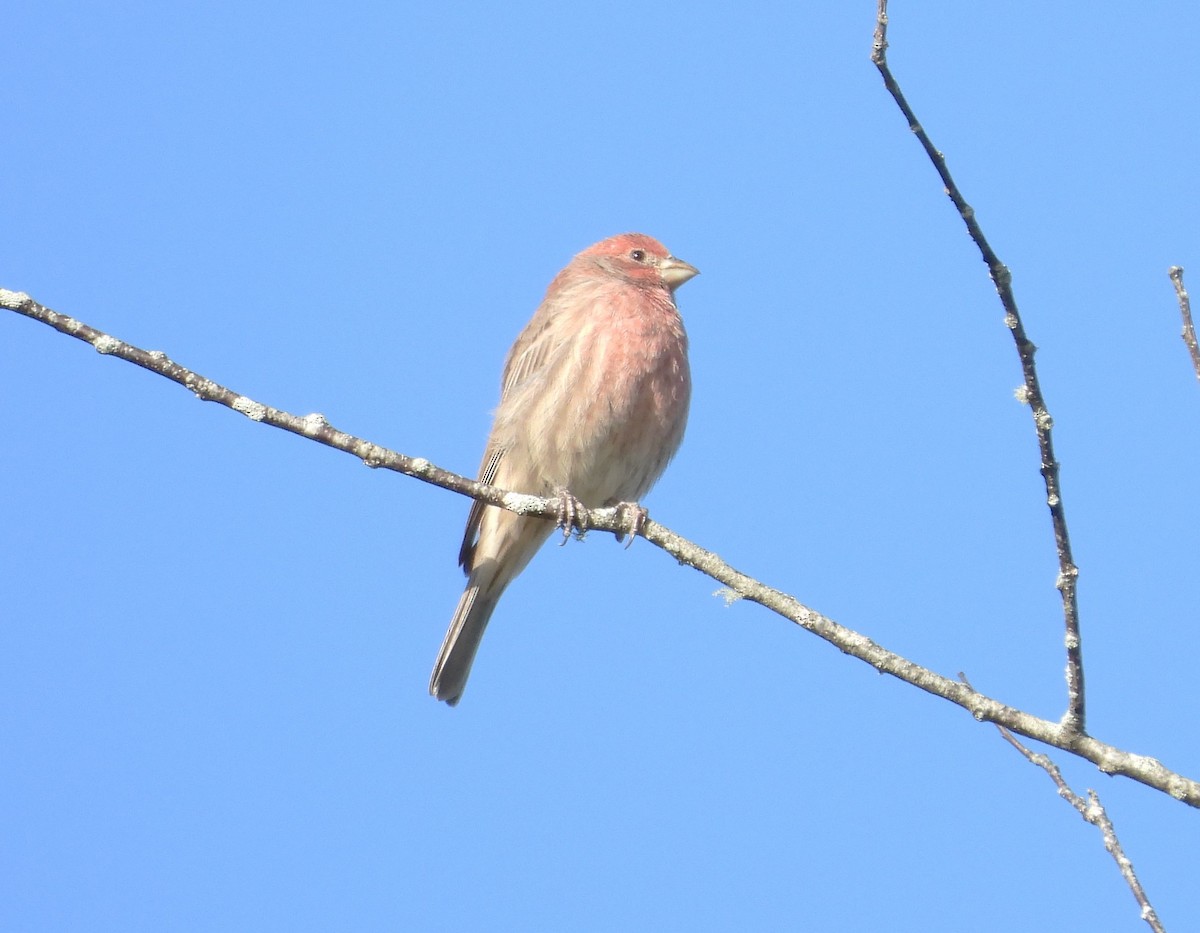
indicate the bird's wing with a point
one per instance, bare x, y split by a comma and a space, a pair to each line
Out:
528, 353
487, 472
526, 358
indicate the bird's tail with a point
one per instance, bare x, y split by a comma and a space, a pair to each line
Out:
453, 664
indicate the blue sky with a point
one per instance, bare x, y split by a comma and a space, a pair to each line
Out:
216, 637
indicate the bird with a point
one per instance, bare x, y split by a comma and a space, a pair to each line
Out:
593, 406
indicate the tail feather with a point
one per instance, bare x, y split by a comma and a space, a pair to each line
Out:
506, 543
453, 664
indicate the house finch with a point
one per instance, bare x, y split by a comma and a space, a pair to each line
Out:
593, 404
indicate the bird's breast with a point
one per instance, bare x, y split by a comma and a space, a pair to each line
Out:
606, 410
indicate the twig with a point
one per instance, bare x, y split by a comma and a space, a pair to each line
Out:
1185, 309
1093, 812
1109, 759
1074, 720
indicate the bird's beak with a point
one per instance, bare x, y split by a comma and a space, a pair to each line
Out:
675, 271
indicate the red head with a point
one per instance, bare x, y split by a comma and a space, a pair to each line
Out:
640, 259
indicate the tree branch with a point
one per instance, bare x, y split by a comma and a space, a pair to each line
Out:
1107, 758
1092, 811
1074, 720
1185, 310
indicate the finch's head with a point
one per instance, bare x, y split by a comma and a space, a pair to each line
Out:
640, 259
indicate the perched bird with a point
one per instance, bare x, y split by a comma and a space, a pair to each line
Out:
593, 405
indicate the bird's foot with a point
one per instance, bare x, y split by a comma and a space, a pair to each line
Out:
572, 515
635, 517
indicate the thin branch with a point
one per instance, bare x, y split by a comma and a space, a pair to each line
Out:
1093, 812
1074, 720
1185, 309
1107, 758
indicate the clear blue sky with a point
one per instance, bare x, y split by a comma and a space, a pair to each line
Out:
216, 637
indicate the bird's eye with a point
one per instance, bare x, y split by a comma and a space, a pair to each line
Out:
638, 255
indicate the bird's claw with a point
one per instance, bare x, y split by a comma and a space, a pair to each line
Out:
635, 517
572, 514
